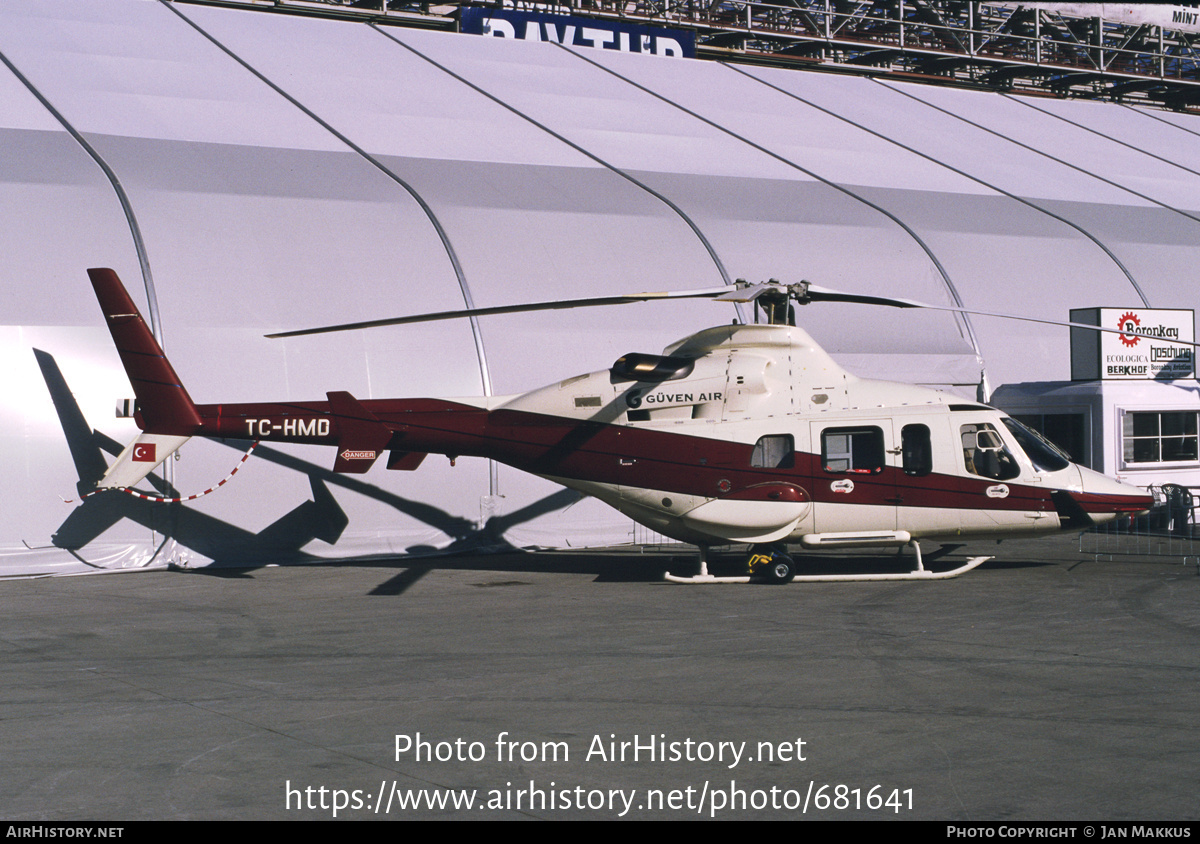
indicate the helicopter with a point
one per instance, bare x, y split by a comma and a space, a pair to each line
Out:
740, 434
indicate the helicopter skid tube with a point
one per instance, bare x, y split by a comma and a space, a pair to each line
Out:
917, 574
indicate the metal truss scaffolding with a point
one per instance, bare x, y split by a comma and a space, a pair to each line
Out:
1054, 49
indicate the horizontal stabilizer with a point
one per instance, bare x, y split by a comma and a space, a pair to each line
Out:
361, 436
406, 460
139, 459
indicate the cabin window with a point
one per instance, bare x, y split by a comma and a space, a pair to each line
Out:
916, 450
852, 450
985, 454
1159, 437
777, 451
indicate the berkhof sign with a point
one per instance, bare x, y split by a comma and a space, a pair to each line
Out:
579, 32
1151, 345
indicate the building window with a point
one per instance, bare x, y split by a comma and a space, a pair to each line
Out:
856, 450
1167, 436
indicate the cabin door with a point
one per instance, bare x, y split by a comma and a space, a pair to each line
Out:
854, 484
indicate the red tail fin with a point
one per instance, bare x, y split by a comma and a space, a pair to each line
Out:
164, 405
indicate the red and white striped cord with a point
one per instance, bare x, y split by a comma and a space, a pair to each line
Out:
158, 499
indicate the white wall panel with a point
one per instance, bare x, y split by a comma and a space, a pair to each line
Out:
57, 206
792, 220
529, 216
1073, 145
1151, 240
1139, 128
1185, 122
1016, 244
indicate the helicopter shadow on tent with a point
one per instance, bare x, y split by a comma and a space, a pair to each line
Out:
228, 545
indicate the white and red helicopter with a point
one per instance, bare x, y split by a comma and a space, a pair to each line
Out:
739, 434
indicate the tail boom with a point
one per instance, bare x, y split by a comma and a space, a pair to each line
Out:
361, 430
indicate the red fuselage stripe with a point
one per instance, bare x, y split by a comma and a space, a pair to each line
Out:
625, 455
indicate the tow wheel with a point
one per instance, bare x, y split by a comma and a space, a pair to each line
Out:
781, 569
772, 563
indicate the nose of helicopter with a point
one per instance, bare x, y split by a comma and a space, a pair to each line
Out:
1104, 499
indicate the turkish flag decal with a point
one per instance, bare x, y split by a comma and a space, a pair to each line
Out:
144, 453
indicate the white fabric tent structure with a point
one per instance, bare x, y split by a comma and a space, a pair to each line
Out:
248, 171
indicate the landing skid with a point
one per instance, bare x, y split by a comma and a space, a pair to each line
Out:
919, 573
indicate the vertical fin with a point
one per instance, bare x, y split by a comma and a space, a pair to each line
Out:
164, 406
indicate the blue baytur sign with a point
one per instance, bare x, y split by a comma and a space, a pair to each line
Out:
579, 32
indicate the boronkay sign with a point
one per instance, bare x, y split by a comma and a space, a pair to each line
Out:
1148, 347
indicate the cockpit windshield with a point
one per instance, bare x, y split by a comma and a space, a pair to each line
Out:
1045, 456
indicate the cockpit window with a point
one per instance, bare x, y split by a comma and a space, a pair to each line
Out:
1044, 455
985, 454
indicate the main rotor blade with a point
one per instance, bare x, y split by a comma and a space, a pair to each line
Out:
804, 293
560, 304
817, 293
825, 294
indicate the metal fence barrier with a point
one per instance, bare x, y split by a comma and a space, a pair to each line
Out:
1169, 531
